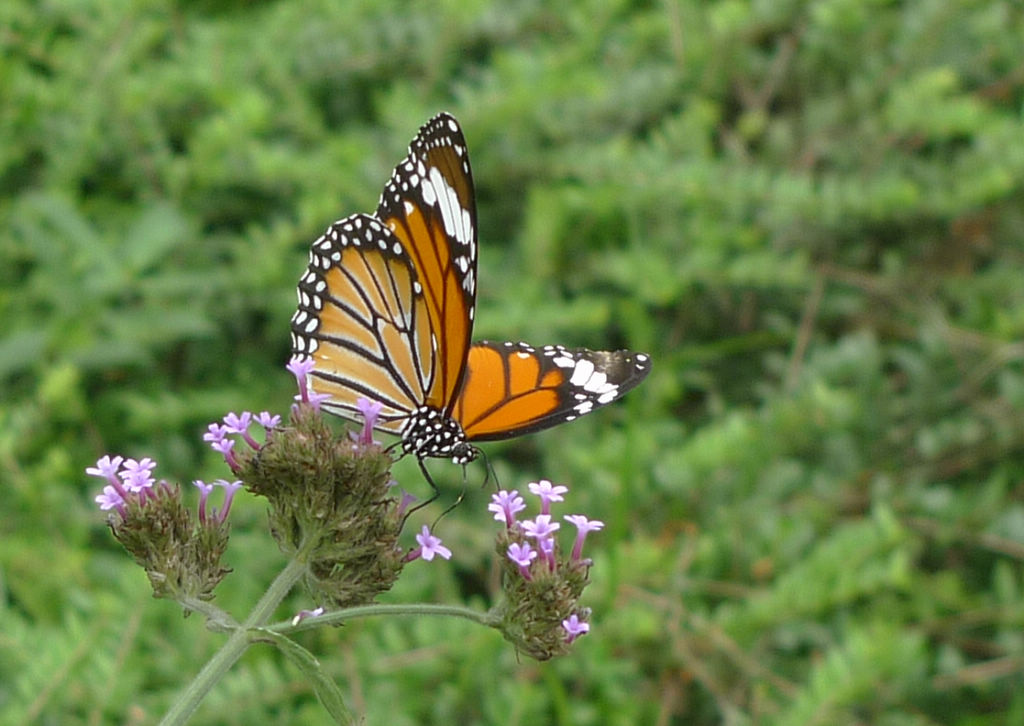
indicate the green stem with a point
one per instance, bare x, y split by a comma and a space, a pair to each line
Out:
236, 644
337, 617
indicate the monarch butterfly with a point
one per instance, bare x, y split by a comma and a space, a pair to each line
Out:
386, 311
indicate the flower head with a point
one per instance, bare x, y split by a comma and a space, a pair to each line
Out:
106, 467
541, 614
181, 555
239, 424
541, 527
215, 433
583, 526
548, 493
505, 504
226, 447
230, 487
204, 494
574, 627
301, 368
429, 546
267, 421
110, 499
370, 411
136, 475
522, 555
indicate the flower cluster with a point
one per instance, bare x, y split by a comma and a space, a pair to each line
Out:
334, 508
332, 503
542, 588
332, 499
180, 552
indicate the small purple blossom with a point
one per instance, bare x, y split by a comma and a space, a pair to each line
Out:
547, 548
106, 468
225, 446
215, 433
403, 505
230, 487
303, 614
522, 555
429, 546
505, 504
239, 424
370, 411
574, 627
541, 527
548, 493
267, 421
583, 526
315, 399
137, 475
110, 499
204, 495
300, 368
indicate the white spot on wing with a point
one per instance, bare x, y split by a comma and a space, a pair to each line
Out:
582, 372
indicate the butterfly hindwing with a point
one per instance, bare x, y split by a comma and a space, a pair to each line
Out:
429, 206
511, 389
364, 319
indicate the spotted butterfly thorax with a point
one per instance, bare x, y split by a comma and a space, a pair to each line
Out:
386, 311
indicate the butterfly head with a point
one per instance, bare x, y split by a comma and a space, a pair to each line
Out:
430, 433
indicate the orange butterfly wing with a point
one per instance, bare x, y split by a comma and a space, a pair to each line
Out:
430, 207
363, 318
511, 389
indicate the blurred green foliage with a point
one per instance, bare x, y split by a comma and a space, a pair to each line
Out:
810, 213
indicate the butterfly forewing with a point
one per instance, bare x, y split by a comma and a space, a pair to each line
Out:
429, 206
363, 317
511, 389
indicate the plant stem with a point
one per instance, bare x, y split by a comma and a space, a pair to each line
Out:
338, 617
236, 644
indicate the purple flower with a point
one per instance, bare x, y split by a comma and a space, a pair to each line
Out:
315, 399
106, 468
303, 614
370, 410
225, 446
267, 421
239, 424
541, 527
403, 505
136, 475
547, 548
230, 487
110, 499
300, 368
522, 555
505, 504
548, 493
429, 546
215, 433
583, 526
574, 627
204, 494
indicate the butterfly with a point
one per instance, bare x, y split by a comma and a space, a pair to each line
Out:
386, 311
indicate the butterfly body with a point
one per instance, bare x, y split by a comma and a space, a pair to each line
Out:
386, 309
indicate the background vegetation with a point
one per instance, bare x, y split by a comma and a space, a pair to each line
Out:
810, 213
